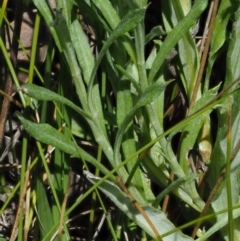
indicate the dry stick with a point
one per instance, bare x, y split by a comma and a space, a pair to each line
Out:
5, 107
236, 150
14, 229
11, 99
139, 208
205, 32
172, 105
167, 197
4, 167
13, 57
204, 57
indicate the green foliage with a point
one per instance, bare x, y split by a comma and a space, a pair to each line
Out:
115, 96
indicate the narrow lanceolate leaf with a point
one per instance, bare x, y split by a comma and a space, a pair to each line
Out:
176, 34
124, 203
112, 19
128, 23
44, 210
109, 13
82, 49
41, 93
151, 93
187, 51
48, 135
124, 105
66, 47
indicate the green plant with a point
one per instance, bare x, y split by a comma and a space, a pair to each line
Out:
129, 132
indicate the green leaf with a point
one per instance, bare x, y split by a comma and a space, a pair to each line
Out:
44, 210
98, 128
146, 98
41, 93
124, 203
175, 35
219, 35
108, 12
66, 47
113, 20
127, 23
128, 74
48, 135
66, 6
187, 52
124, 105
151, 93
82, 49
